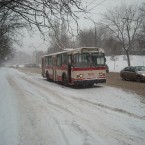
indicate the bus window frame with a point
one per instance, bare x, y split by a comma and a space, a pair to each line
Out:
99, 64
64, 59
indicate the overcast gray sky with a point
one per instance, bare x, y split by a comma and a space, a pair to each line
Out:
96, 7
96, 10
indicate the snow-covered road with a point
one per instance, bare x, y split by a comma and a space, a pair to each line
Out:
36, 112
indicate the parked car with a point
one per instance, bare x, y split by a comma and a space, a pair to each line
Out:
134, 73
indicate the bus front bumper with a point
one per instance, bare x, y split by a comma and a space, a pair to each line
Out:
89, 82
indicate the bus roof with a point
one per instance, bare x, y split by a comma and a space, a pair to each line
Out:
77, 50
88, 49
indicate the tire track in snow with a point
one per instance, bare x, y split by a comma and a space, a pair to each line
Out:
28, 133
58, 124
57, 95
30, 128
83, 132
111, 108
93, 103
89, 126
62, 132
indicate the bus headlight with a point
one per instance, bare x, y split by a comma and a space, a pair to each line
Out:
79, 75
102, 74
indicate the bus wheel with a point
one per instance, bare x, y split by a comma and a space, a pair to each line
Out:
64, 79
47, 76
90, 85
75, 86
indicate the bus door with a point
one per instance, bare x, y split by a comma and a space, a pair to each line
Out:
43, 67
69, 67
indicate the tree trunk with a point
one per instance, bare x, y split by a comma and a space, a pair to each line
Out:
128, 58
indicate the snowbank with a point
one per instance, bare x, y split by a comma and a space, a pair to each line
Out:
119, 62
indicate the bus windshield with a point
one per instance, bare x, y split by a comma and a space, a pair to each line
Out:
97, 59
88, 59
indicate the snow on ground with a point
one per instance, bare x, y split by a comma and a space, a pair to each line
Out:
8, 111
119, 62
36, 112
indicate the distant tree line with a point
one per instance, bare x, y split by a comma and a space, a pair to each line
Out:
120, 31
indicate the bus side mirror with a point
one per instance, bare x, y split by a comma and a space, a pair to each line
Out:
105, 59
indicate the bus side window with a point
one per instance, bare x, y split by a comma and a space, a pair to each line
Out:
64, 58
49, 60
46, 60
54, 61
59, 60
88, 58
69, 59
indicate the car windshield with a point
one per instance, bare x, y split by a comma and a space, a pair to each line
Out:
87, 60
140, 68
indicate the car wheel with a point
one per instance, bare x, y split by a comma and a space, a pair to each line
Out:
123, 77
138, 79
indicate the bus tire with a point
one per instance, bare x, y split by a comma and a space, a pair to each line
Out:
64, 80
90, 85
47, 76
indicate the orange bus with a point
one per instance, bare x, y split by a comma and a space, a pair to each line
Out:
81, 66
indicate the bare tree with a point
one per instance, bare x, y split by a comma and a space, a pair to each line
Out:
141, 34
59, 37
124, 22
103, 39
142, 13
41, 13
5, 47
16, 14
9, 31
85, 38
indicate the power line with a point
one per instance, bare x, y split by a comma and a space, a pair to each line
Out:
97, 5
